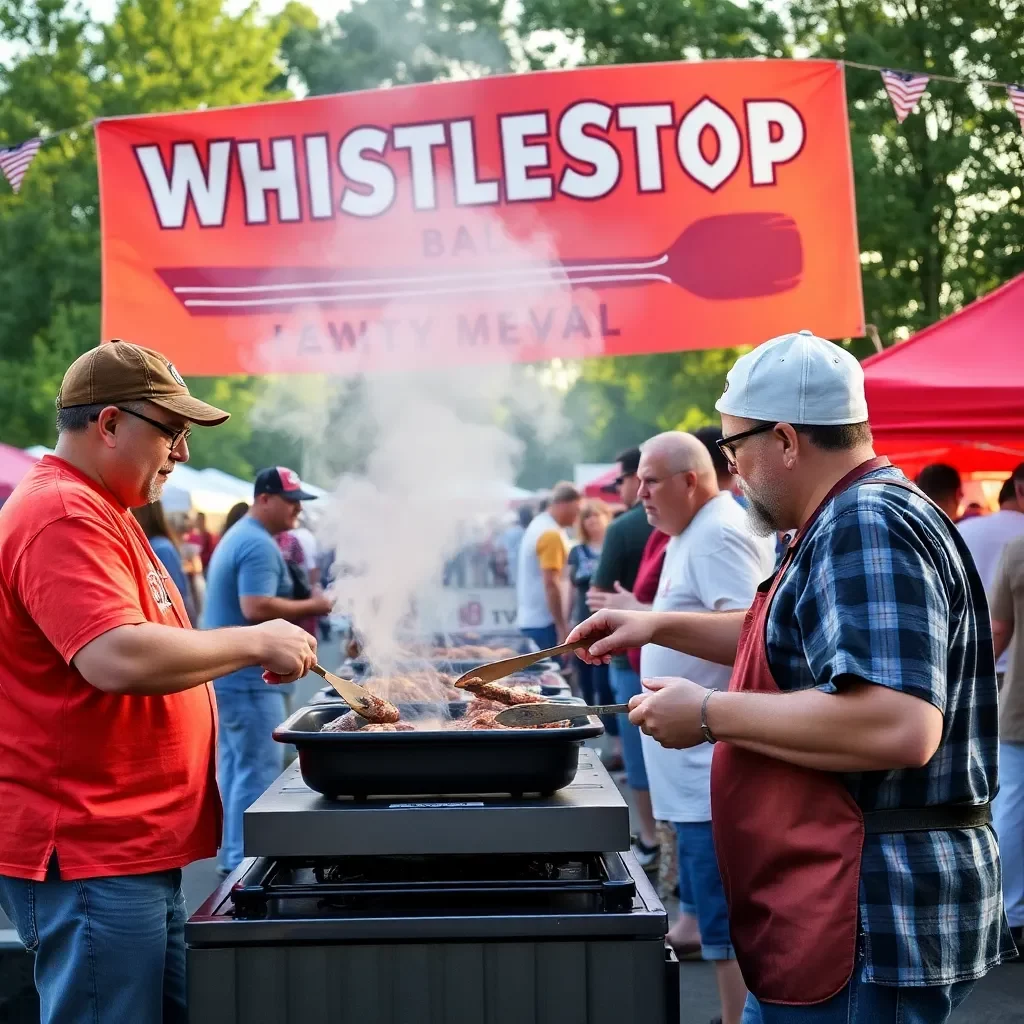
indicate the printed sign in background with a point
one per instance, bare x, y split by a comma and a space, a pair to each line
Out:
599, 211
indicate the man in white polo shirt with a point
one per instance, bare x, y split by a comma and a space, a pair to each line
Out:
713, 563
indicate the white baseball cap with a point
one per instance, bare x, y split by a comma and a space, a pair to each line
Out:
796, 378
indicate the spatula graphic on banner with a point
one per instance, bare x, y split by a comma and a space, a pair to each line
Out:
729, 256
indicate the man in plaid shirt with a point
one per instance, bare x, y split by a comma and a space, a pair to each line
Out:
878, 590
865, 671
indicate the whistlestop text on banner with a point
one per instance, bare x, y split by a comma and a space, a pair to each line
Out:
610, 210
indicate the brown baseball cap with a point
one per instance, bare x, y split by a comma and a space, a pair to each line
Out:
118, 371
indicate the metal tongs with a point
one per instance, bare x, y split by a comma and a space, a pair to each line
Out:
495, 670
541, 714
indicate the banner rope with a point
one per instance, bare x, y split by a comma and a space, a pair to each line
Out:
44, 137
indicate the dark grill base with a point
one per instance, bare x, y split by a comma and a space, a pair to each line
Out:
598, 982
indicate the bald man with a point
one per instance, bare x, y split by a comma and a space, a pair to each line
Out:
712, 563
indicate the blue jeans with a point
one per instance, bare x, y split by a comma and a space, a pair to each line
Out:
595, 689
543, 636
864, 1003
625, 683
248, 758
107, 950
1008, 821
700, 889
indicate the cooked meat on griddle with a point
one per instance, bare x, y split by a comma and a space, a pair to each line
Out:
348, 722
351, 722
480, 715
378, 710
507, 695
414, 686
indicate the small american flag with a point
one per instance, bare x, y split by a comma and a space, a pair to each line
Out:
904, 89
1016, 94
14, 162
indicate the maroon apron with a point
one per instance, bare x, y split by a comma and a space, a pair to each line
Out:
788, 841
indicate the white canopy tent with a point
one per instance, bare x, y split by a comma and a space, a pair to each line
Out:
198, 490
191, 490
228, 484
187, 489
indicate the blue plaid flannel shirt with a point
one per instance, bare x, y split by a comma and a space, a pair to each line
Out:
879, 591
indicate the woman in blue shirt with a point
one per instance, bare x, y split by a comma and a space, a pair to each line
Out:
165, 546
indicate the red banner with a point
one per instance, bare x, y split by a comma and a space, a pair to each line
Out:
607, 210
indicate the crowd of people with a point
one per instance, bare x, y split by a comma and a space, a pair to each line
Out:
996, 543
819, 697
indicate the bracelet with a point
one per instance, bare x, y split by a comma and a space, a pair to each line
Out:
704, 728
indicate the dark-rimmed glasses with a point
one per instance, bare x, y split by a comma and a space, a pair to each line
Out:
725, 444
175, 436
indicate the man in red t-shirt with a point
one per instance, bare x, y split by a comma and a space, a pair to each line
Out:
107, 775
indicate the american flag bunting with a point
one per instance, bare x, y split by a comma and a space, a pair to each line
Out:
15, 161
905, 89
1016, 94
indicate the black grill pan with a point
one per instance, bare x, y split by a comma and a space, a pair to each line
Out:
436, 763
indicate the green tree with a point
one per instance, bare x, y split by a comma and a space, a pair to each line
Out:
155, 55
396, 42
938, 197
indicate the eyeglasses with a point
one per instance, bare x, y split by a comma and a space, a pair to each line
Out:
725, 444
622, 478
176, 436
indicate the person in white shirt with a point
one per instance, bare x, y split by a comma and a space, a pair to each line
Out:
712, 563
310, 548
987, 536
541, 586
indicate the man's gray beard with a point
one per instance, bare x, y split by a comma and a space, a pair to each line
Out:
762, 520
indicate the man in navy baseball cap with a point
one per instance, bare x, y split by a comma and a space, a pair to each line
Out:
281, 481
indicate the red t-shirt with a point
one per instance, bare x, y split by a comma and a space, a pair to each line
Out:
115, 784
205, 542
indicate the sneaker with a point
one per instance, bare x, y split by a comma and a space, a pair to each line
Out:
647, 856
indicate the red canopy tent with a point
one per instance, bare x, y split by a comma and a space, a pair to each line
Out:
14, 464
603, 485
955, 391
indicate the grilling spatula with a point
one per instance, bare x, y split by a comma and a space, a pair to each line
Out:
499, 669
373, 709
540, 714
